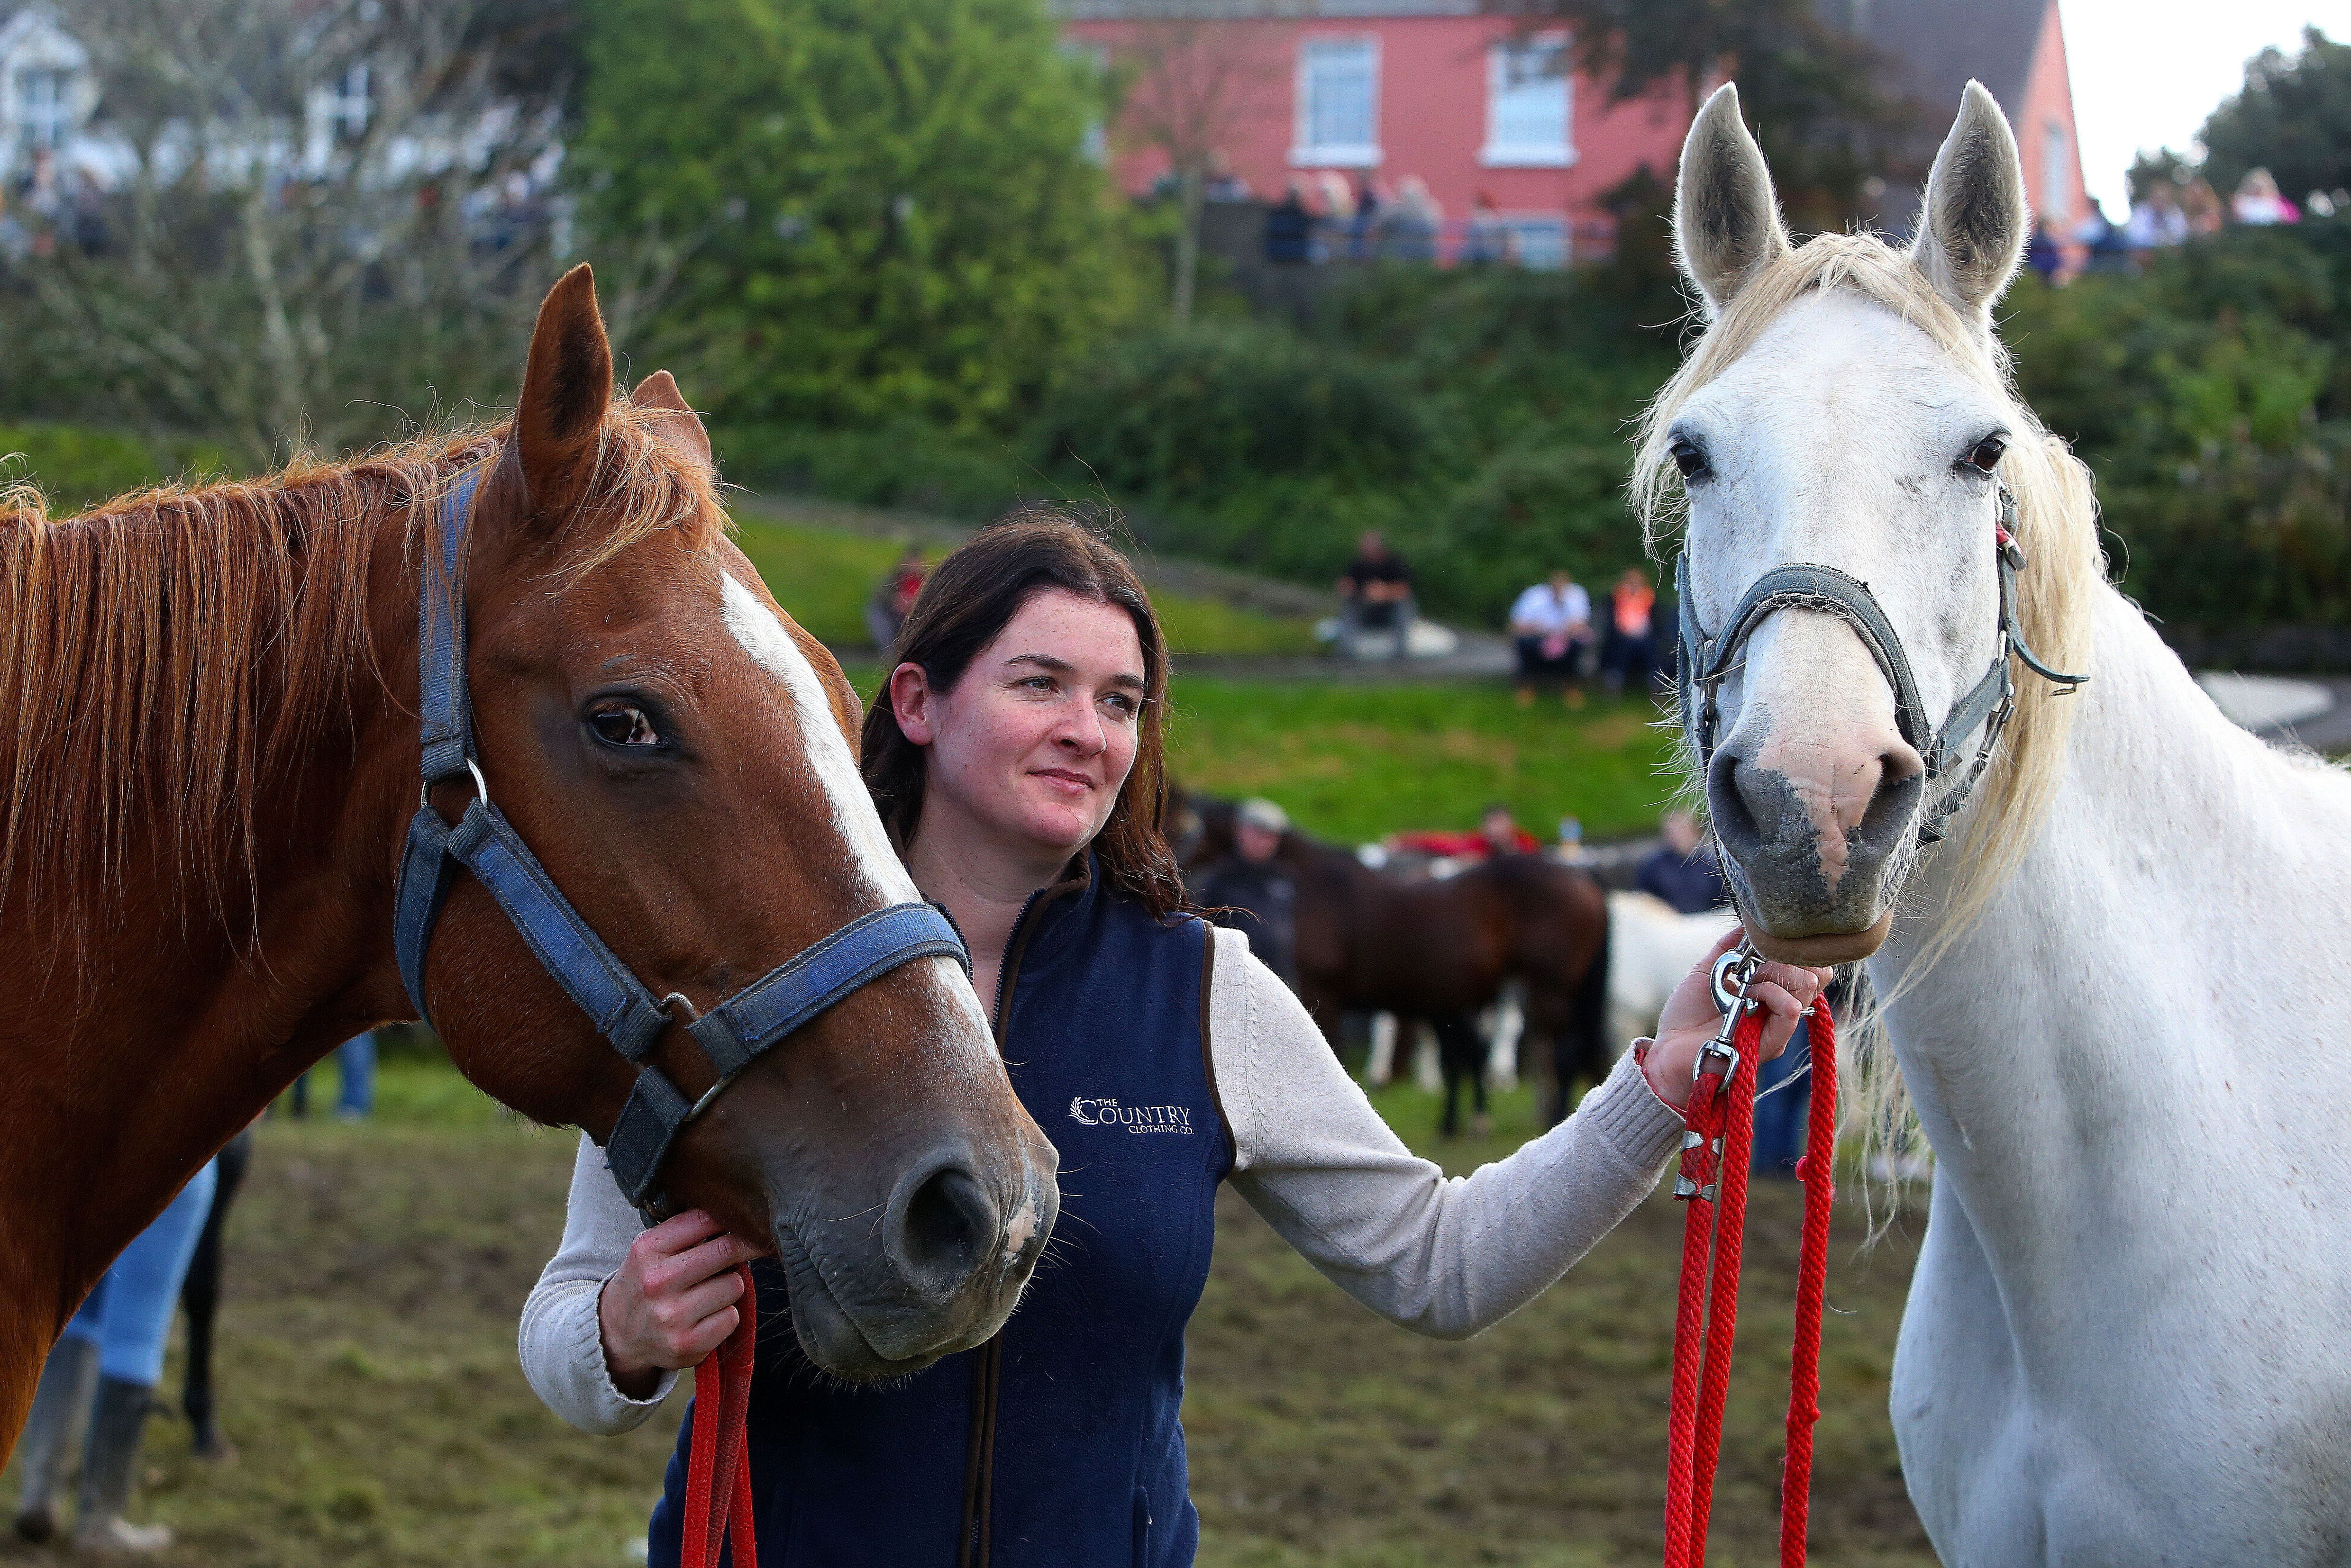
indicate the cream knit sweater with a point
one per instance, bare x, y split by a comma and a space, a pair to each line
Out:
1444, 1256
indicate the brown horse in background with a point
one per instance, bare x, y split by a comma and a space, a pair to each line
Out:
208, 758
1370, 939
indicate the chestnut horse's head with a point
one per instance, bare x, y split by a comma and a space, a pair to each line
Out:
680, 757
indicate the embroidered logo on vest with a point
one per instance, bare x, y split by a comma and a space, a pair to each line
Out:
1134, 1119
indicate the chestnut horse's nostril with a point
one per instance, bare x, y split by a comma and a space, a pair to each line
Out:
946, 1230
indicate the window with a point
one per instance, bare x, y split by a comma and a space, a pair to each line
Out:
2056, 173
1338, 103
44, 106
1530, 105
345, 105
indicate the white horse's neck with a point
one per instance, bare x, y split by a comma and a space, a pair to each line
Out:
2127, 1063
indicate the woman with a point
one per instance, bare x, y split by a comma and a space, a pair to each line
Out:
1015, 753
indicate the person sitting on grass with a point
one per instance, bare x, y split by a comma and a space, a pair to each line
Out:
1551, 628
1377, 586
1016, 756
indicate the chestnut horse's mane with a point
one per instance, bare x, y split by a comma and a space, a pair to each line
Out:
163, 656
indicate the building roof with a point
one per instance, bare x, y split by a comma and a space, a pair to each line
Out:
1937, 45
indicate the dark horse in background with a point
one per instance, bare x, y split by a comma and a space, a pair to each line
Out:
1441, 951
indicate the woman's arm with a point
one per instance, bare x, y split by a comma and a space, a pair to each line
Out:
1442, 1256
562, 1339
619, 1309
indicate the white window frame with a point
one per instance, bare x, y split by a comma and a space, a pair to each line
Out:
50, 122
1304, 153
2056, 173
1499, 154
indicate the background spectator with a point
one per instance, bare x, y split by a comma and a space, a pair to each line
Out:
886, 612
1377, 586
1249, 890
1683, 871
2258, 203
1629, 661
1289, 228
1551, 627
1408, 232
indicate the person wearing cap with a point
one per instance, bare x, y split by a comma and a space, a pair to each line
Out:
1250, 892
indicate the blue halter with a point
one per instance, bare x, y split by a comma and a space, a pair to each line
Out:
732, 1036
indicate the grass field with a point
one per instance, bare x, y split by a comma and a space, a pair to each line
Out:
369, 1380
822, 577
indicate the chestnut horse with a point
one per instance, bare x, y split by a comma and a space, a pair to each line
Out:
1372, 941
209, 748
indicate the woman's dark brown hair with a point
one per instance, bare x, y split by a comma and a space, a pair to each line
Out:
971, 599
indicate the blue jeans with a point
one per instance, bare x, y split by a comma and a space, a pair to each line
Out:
129, 1315
355, 1058
1780, 1121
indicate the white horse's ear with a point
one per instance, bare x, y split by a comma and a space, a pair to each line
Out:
1974, 223
1726, 214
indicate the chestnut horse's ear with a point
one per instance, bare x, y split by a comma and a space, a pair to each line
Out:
566, 389
1974, 222
1726, 214
674, 419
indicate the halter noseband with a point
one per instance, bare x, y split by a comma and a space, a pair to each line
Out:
1707, 661
732, 1036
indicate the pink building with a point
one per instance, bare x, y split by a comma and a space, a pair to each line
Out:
1383, 90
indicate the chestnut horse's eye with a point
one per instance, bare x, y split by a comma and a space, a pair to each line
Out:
623, 724
1986, 455
1689, 459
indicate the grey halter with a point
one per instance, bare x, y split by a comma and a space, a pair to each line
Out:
1707, 661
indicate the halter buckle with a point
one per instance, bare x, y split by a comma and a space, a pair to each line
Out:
481, 786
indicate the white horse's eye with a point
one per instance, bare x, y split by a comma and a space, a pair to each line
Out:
1688, 458
1986, 455
623, 724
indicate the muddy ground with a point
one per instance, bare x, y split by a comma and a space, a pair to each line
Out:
370, 1384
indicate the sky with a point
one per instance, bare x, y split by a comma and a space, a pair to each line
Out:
2147, 72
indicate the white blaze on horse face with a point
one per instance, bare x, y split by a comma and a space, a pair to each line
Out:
763, 637
1835, 441
772, 648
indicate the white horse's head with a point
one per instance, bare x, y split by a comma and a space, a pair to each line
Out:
1849, 409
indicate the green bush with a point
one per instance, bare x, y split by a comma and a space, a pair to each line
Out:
75, 467
2212, 396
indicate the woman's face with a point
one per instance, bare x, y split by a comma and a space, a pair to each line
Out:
1032, 745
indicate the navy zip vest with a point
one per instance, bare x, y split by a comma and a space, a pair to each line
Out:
1057, 1444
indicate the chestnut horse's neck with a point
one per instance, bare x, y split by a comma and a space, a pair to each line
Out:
209, 754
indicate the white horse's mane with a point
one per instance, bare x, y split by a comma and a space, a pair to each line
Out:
2056, 525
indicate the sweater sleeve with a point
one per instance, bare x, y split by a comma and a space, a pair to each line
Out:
1443, 1256
561, 1340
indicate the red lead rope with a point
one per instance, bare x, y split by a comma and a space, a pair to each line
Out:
1714, 1169
717, 1469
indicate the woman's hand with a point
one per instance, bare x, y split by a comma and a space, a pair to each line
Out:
1690, 1019
672, 1301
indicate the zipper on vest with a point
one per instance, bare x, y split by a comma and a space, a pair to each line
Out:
979, 1455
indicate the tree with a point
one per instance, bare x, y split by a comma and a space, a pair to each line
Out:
867, 209
2294, 119
330, 216
1809, 88
1194, 81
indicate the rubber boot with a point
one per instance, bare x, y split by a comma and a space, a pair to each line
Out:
116, 1424
58, 1402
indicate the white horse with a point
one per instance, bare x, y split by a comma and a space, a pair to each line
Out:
1651, 945
2113, 989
